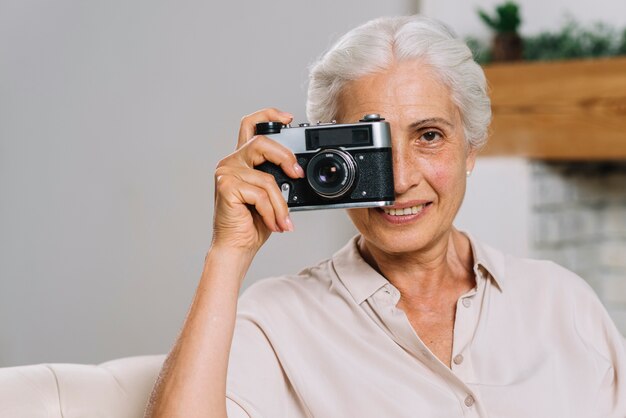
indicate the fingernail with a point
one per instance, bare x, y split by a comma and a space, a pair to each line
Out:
289, 223
298, 169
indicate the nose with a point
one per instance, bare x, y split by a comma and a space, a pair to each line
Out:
405, 171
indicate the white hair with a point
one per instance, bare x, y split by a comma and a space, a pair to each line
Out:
375, 45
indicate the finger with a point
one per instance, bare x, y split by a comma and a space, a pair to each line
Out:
231, 192
261, 149
267, 182
257, 197
248, 123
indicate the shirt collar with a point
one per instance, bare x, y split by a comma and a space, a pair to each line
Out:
488, 262
362, 281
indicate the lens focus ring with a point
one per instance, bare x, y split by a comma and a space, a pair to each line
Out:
331, 173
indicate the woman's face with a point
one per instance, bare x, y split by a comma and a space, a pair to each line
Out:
430, 156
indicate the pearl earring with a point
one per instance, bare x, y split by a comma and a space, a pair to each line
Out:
468, 173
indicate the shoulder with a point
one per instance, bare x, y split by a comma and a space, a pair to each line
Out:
522, 275
542, 272
568, 302
540, 289
289, 293
550, 298
320, 287
552, 294
548, 277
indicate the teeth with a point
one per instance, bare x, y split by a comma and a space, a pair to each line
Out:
406, 211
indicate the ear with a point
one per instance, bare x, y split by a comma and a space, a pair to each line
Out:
470, 160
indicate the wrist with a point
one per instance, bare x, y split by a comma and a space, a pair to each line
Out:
224, 261
228, 252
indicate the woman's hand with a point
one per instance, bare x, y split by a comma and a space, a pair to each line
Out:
248, 203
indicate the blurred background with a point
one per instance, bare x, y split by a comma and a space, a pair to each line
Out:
114, 114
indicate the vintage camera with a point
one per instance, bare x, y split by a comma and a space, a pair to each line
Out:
346, 165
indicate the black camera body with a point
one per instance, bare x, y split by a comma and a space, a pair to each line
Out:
345, 165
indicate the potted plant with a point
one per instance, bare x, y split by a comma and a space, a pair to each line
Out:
507, 43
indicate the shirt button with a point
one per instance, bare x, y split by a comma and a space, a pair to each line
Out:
469, 401
467, 303
458, 359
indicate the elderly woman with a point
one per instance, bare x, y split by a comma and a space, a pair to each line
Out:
412, 317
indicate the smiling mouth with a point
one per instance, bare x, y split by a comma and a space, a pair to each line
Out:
411, 210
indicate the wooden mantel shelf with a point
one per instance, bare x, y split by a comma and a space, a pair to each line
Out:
566, 110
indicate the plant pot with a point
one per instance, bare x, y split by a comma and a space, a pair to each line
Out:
507, 46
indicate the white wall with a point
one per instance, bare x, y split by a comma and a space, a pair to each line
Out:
113, 115
496, 208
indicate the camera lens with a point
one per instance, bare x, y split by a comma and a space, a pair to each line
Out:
331, 173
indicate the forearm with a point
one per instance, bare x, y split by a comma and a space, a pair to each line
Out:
192, 382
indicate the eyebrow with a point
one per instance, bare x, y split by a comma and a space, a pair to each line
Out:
420, 123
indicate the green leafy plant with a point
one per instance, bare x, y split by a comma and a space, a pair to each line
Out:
507, 44
572, 41
575, 41
506, 19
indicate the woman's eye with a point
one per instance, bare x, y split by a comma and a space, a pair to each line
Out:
431, 136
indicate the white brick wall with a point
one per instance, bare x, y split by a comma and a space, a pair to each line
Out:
579, 221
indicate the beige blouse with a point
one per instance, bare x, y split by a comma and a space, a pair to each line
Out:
531, 340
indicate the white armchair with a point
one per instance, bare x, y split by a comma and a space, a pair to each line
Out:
115, 389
